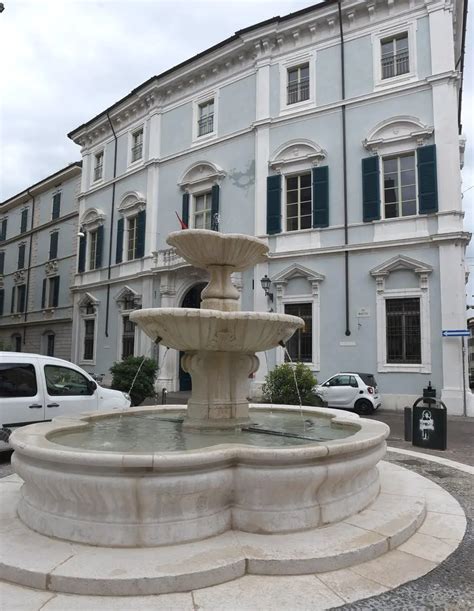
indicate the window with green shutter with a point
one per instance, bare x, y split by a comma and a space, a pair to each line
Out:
56, 211
21, 256
119, 244
24, 221
370, 189
274, 204
2, 262
53, 245
321, 196
3, 230
81, 265
427, 179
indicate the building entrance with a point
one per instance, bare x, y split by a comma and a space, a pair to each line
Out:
192, 299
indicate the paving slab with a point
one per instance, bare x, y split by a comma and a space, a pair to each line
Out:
428, 547
16, 598
165, 602
350, 586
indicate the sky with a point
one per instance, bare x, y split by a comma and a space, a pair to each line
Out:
65, 61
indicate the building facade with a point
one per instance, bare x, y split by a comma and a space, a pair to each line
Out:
38, 236
333, 134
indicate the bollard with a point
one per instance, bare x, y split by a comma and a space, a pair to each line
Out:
429, 428
408, 423
164, 392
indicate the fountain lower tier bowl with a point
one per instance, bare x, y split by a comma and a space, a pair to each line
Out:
151, 498
190, 329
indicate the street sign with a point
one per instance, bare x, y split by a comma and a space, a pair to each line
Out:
456, 333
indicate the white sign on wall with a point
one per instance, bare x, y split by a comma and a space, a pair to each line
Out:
363, 313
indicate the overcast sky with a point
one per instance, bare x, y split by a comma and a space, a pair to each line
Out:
64, 61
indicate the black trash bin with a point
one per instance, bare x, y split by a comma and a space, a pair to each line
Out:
430, 424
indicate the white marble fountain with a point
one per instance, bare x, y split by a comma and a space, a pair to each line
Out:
155, 476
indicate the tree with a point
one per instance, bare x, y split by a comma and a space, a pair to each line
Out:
124, 373
280, 387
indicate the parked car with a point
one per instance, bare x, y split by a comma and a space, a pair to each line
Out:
36, 388
350, 390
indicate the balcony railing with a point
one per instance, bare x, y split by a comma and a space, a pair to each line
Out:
298, 91
206, 125
137, 152
98, 172
394, 65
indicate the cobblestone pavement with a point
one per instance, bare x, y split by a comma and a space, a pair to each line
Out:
450, 586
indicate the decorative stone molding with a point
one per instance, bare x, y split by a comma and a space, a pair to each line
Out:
88, 300
297, 271
132, 203
401, 262
92, 219
51, 267
201, 175
19, 277
128, 294
395, 130
297, 155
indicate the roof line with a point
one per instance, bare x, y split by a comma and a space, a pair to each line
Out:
77, 164
234, 37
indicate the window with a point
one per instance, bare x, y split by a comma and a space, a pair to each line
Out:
3, 230
16, 340
132, 238
299, 346
24, 221
399, 186
128, 337
89, 338
92, 249
298, 202
343, 380
206, 118
98, 165
56, 210
403, 330
395, 56
202, 211
20, 294
21, 256
53, 245
65, 382
17, 380
137, 145
50, 344
53, 295
2, 262
298, 84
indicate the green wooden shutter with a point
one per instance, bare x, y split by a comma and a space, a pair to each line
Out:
82, 253
3, 231
56, 205
53, 245
24, 221
274, 204
141, 230
370, 189
2, 299
185, 209
21, 256
21, 298
427, 179
321, 196
215, 207
99, 246
119, 245
2, 262
55, 292
43, 293
12, 308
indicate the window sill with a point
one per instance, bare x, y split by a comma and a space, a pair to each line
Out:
408, 77
403, 368
288, 109
204, 138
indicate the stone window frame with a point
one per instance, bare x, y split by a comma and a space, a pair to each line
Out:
314, 279
206, 96
87, 300
95, 153
90, 222
380, 274
141, 160
408, 27
122, 311
130, 205
199, 179
294, 61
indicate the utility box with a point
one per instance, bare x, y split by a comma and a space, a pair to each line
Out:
430, 424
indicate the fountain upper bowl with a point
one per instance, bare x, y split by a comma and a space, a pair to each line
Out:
212, 330
203, 248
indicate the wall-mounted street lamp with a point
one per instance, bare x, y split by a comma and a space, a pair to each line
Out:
266, 282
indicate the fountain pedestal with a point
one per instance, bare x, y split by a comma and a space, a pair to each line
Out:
220, 388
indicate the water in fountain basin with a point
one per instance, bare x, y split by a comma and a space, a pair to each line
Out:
162, 432
296, 383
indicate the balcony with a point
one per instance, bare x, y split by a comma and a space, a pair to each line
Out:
298, 91
206, 125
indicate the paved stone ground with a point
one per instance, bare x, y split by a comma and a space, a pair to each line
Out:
450, 586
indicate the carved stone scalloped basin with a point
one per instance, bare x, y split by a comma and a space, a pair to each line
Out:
203, 248
212, 330
148, 499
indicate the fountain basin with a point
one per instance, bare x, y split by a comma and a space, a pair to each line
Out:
189, 329
160, 498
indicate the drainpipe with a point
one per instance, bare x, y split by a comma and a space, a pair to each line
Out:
461, 61
112, 214
30, 250
344, 170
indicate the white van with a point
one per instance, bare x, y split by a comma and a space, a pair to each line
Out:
36, 388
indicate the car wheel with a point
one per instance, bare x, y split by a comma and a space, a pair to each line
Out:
364, 407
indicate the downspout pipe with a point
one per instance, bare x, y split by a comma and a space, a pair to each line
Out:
112, 215
461, 61
344, 169
30, 253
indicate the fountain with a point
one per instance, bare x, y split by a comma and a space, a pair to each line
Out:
222, 465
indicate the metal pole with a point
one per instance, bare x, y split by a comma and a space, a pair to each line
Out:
464, 410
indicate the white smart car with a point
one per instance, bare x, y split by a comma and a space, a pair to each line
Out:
36, 388
349, 390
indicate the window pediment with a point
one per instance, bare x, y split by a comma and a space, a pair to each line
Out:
92, 218
297, 155
400, 262
128, 296
397, 130
297, 271
131, 203
201, 174
88, 300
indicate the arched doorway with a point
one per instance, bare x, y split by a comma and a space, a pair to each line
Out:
192, 299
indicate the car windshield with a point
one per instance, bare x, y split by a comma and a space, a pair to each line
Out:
369, 379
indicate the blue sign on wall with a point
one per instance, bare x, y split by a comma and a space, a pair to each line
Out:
456, 333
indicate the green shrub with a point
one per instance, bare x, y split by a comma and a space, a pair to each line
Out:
124, 371
279, 385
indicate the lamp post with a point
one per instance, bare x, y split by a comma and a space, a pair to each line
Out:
266, 282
